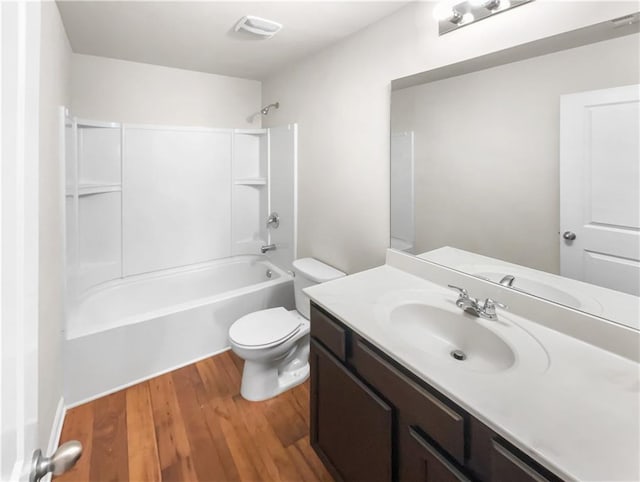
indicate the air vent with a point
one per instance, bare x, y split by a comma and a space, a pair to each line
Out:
258, 26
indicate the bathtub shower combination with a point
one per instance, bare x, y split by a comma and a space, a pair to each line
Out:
162, 255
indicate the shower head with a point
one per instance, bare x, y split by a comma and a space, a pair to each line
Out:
265, 110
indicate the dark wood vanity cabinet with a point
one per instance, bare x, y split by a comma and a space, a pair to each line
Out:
351, 427
372, 420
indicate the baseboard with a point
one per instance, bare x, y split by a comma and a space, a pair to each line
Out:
145, 378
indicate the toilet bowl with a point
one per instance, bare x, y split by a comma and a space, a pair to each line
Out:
274, 343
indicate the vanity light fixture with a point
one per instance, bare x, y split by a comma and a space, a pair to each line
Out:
452, 14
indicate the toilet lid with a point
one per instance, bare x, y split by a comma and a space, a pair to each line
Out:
265, 327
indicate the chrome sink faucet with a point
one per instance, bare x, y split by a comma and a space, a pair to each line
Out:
507, 280
483, 309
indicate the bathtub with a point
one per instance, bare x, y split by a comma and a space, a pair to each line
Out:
125, 331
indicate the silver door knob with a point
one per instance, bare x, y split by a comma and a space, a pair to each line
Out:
62, 460
569, 235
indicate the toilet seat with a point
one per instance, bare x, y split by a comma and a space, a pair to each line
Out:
265, 328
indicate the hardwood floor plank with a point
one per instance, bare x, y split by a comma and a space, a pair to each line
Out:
322, 474
144, 463
273, 454
241, 451
78, 425
237, 361
173, 445
304, 469
286, 419
234, 375
110, 454
215, 383
206, 461
300, 397
212, 419
192, 425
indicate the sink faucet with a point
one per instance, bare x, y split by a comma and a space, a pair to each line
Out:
507, 280
267, 247
483, 309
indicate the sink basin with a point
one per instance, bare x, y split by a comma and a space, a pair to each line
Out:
429, 323
447, 334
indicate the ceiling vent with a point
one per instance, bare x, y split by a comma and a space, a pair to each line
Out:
258, 26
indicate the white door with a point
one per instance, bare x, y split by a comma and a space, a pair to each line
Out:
600, 187
19, 87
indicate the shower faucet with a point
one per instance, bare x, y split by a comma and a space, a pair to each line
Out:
273, 221
267, 247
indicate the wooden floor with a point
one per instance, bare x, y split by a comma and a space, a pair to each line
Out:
193, 425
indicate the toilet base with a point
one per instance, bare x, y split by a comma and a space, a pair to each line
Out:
261, 381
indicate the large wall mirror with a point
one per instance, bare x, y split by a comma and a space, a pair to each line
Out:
523, 167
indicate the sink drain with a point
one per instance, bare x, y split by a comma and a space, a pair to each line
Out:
458, 355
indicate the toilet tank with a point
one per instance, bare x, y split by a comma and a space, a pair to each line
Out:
310, 272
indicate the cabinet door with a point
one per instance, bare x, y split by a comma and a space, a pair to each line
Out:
421, 462
506, 466
351, 427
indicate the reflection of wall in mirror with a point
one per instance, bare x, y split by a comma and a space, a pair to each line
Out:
486, 150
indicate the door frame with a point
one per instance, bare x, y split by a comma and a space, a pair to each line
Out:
19, 243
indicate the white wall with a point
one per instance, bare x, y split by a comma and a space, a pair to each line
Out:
54, 92
118, 90
487, 148
340, 98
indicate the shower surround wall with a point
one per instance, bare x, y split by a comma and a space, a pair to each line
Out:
146, 198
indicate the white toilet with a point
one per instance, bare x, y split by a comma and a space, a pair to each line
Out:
274, 343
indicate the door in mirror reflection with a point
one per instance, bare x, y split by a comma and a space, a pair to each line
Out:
600, 188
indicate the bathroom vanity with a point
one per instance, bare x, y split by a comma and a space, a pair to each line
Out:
391, 401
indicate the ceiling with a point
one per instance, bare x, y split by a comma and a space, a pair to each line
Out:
199, 35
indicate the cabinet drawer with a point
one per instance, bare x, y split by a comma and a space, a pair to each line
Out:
351, 427
423, 462
419, 407
506, 466
329, 333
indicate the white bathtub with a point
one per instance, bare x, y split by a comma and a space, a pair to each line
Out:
128, 330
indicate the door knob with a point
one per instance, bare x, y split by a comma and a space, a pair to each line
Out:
569, 235
62, 460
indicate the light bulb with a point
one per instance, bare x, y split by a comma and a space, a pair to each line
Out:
488, 4
444, 10
467, 18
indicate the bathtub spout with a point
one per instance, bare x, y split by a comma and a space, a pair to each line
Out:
267, 247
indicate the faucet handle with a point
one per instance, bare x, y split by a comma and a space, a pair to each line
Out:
489, 308
463, 293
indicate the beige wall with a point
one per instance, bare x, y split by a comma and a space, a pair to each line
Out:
118, 90
55, 62
340, 98
487, 150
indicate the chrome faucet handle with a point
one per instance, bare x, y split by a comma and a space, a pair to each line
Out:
463, 293
489, 308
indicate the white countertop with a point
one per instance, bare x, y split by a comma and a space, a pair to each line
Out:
580, 417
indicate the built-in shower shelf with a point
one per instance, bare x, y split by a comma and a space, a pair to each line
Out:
89, 189
251, 181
